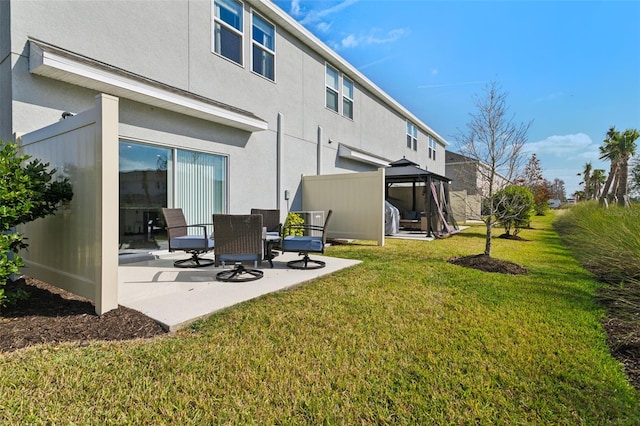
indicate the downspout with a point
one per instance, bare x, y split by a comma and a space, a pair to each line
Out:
319, 152
278, 160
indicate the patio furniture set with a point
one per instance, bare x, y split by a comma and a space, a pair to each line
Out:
239, 239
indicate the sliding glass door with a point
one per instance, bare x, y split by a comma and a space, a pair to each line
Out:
152, 177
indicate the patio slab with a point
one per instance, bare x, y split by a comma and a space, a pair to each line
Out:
177, 297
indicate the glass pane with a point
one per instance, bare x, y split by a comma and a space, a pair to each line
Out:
263, 32
409, 138
228, 44
230, 12
263, 62
347, 108
201, 186
143, 180
332, 79
332, 100
347, 88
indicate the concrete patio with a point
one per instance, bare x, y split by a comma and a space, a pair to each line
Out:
177, 297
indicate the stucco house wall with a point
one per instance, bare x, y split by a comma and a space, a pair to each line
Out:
170, 42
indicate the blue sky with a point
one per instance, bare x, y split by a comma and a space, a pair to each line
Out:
573, 67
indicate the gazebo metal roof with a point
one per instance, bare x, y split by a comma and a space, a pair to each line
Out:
404, 170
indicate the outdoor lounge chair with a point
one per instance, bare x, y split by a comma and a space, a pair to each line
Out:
179, 239
305, 244
238, 239
271, 221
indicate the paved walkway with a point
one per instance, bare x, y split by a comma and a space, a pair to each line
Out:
177, 297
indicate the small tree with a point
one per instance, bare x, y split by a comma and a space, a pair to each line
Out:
27, 192
494, 141
513, 207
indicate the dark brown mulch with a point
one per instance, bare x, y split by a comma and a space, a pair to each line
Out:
486, 263
624, 342
52, 315
512, 237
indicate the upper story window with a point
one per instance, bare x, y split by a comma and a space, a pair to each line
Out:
227, 29
432, 148
335, 91
412, 136
264, 48
332, 88
347, 97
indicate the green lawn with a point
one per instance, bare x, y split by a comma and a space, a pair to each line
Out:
403, 338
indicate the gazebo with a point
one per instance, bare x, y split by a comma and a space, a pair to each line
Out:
433, 200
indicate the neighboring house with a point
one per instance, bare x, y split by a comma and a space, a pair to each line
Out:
469, 185
221, 105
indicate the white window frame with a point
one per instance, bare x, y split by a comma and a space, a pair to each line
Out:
432, 148
339, 91
412, 136
334, 90
346, 98
225, 26
261, 46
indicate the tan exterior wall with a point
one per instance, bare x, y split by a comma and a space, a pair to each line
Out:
357, 201
77, 248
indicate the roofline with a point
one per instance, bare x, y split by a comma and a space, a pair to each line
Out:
286, 21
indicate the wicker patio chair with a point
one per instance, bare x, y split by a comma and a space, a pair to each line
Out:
271, 221
305, 244
238, 240
180, 240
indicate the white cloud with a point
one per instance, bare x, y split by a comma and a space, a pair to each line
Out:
373, 37
323, 27
349, 41
318, 15
564, 156
569, 147
295, 8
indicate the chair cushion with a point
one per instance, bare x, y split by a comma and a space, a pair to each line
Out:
273, 233
251, 257
190, 242
302, 243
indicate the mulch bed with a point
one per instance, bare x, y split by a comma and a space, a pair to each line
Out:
53, 315
486, 263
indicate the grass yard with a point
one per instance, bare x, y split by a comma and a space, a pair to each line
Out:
403, 338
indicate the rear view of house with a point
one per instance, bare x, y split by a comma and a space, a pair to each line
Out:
214, 106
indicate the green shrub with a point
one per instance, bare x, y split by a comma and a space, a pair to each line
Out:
293, 225
513, 208
27, 192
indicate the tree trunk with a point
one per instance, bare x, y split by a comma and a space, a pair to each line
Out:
487, 244
623, 172
607, 184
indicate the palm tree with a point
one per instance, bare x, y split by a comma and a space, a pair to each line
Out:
609, 151
626, 149
598, 178
618, 148
586, 180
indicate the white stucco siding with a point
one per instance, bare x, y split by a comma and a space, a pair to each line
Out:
149, 38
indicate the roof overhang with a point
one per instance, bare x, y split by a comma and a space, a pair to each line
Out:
345, 151
59, 64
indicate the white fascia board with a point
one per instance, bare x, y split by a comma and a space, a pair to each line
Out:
63, 68
284, 20
345, 151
